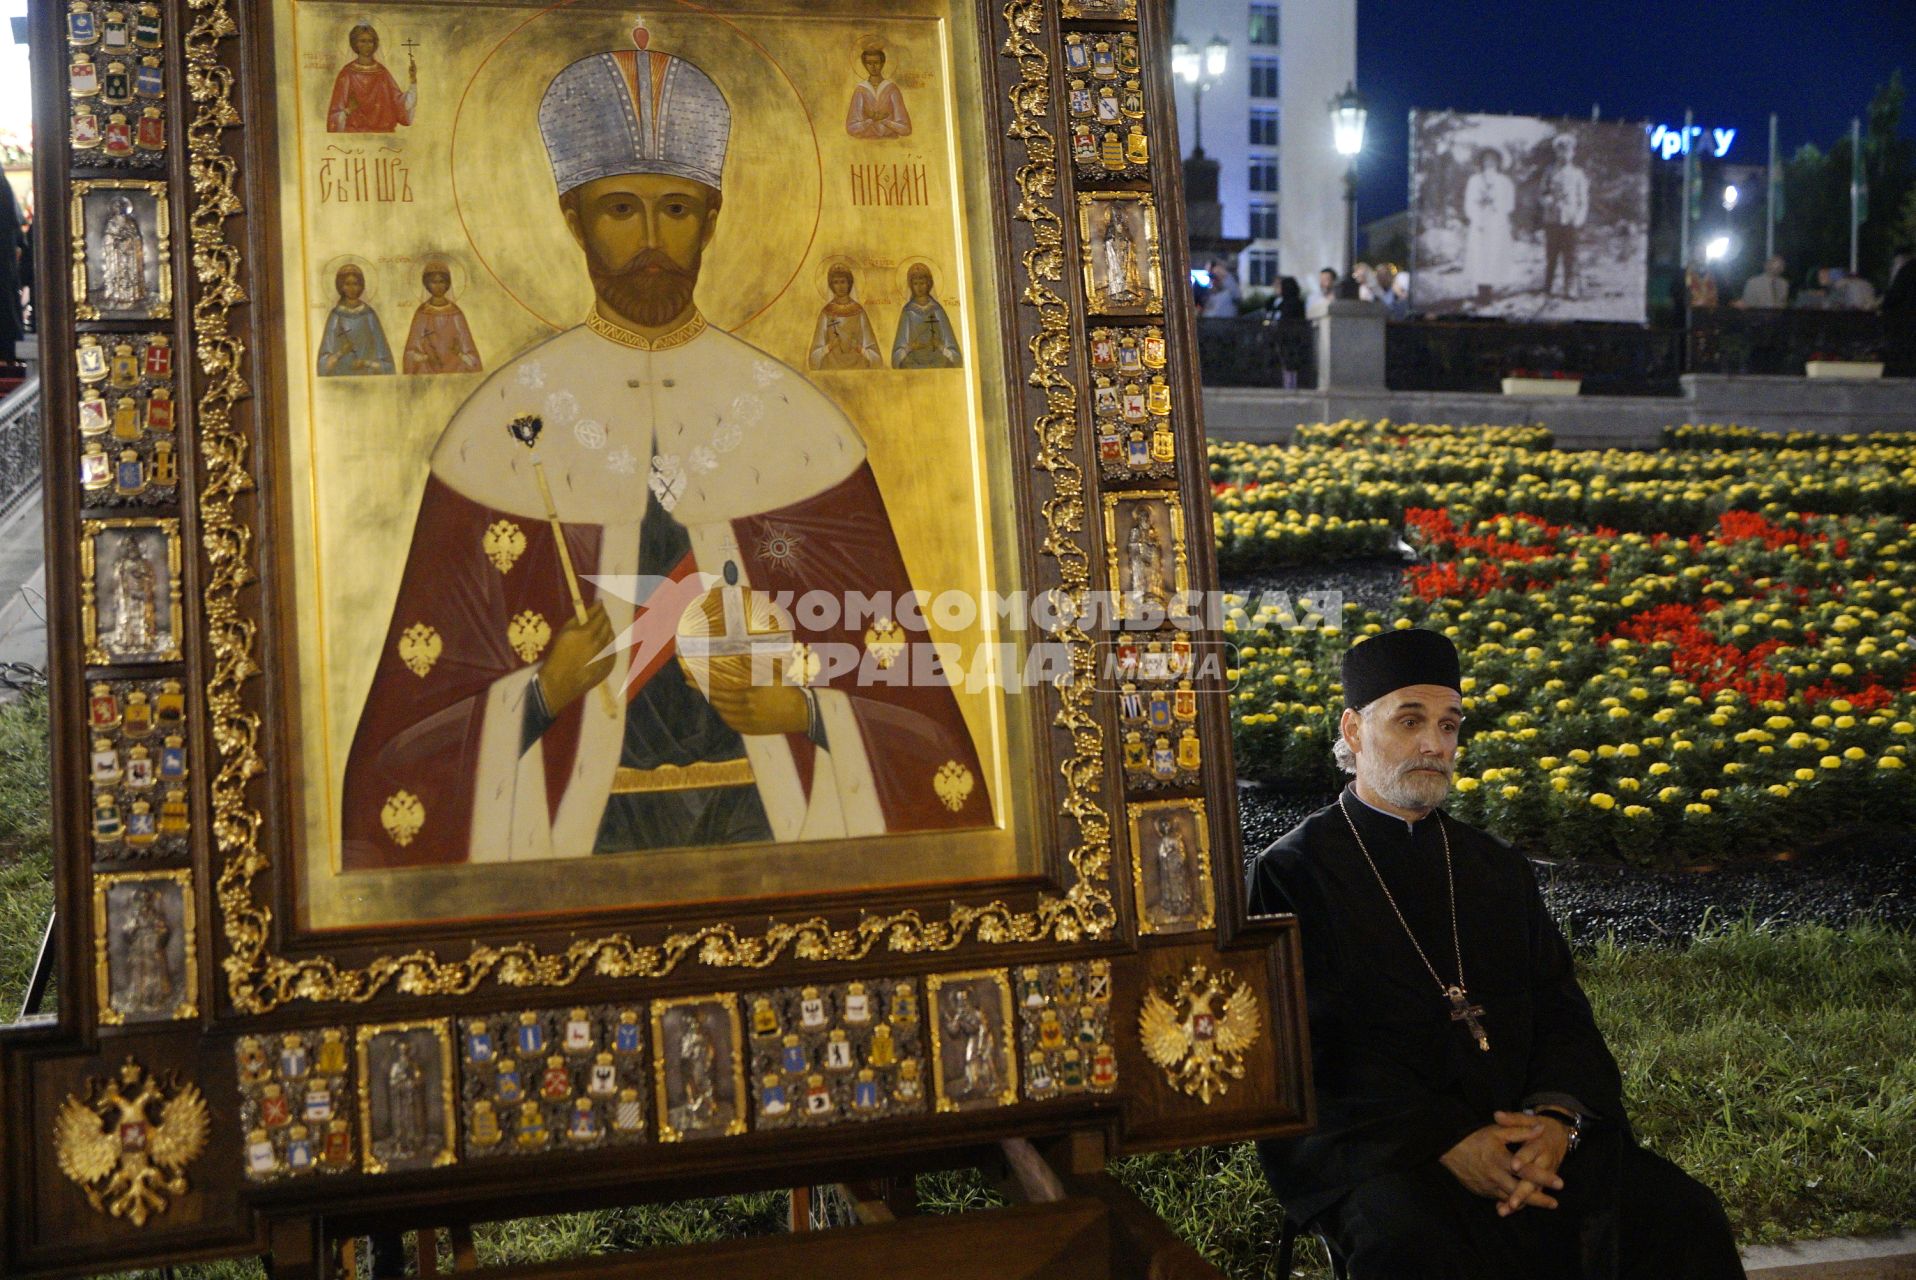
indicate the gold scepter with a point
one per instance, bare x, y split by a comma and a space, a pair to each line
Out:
526, 429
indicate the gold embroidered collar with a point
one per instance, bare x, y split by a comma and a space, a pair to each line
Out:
692, 328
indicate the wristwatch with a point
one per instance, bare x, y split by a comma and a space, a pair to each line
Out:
1572, 1120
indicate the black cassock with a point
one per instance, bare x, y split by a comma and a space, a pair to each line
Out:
1399, 1083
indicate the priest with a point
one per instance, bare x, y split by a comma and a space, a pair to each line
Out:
528, 703
1470, 1117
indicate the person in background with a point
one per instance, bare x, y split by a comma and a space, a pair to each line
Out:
1400, 287
1221, 301
1899, 317
1326, 291
1383, 290
1286, 308
1702, 285
1851, 292
1489, 199
1362, 273
1288, 302
12, 244
1768, 288
1566, 205
1815, 293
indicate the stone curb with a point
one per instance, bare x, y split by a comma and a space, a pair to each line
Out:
1889, 1257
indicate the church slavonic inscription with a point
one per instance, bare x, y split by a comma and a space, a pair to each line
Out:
889, 185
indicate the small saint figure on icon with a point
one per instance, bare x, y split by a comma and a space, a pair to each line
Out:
440, 340
366, 98
353, 343
843, 337
925, 339
878, 106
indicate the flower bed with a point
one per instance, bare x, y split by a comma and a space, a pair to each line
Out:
1637, 694
1265, 538
1370, 433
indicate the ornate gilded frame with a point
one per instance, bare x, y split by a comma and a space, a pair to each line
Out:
259, 979
162, 308
735, 1069
1000, 982
1178, 604
188, 1006
443, 1081
1152, 267
90, 532
1137, 811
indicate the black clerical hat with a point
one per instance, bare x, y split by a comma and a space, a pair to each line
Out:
1391, 661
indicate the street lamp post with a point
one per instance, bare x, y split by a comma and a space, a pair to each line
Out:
1200, 70
1348, 113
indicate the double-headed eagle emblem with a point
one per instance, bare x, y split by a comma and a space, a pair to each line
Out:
110, 1146
1200, 1033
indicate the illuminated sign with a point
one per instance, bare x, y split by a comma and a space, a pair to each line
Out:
1670, 141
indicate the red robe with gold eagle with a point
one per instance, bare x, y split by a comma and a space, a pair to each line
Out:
719, 459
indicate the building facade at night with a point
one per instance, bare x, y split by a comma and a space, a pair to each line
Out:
1267, 122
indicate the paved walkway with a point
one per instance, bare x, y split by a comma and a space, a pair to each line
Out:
23, 574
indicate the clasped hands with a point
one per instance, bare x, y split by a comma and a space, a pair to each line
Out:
581, 657
1485, 1164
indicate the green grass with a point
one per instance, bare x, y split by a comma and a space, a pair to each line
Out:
26, 846
1779, 1067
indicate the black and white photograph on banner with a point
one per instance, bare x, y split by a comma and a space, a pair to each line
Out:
1529, 218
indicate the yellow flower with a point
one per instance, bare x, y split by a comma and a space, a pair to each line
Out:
1467, 784
1603, 800
1634, 811
1629, 751
1560, 783
1806, 775
1548, 762
1781, 790
1732, 767
1697, 809
1511, 793
1854, 753
1669, 793
1580, 755
1889, 762
1619, 713
1777, 722
1830, 762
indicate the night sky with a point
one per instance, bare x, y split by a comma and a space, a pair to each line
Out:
1814, 64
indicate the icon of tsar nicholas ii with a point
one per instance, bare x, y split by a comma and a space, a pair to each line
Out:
511, 719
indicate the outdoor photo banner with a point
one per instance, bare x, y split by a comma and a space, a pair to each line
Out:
1529, 218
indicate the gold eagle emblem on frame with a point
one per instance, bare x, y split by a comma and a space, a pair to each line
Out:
1199, 1031
126, 1162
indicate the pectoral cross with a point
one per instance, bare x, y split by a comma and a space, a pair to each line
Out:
1462, 1010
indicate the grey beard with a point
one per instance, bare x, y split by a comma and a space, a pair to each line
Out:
1411, 790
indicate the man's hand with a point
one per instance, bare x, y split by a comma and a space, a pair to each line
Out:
1537, 1161
756, 709
1482, 1163
579, 658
